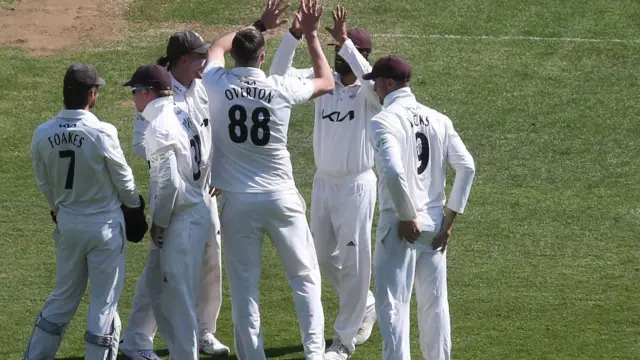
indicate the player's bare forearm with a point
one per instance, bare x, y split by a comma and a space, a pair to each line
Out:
220, 48
441, 240
270, 19
323, 81
447, 222
309, 17
321, 67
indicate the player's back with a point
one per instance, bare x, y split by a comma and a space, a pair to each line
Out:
172, 128
250, 115
423, 135
72, 149
195, 103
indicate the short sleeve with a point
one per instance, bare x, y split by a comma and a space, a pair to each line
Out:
294, 89
212, 73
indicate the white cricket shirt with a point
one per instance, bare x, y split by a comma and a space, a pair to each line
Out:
250, 116
138, 143
173, 150
413, 145
79, 165
194, 101
341, 139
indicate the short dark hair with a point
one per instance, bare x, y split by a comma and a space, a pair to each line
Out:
402, 84
76, 98
247, 46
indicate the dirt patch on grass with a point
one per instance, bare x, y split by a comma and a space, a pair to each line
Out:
45, 27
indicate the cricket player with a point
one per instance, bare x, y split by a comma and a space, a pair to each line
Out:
180, 213
251, 114
413, 145
344, 188
82, 172
185, 58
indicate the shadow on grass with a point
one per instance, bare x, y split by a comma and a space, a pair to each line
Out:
161, 353
271, 353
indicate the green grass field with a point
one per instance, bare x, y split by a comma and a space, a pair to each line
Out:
543, 265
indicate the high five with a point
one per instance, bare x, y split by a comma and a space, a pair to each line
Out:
252, 167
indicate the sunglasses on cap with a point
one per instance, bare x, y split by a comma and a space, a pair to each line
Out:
134, 88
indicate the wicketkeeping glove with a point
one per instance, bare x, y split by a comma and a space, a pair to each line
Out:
135, 222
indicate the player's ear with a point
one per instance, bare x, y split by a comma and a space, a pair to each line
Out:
392, 84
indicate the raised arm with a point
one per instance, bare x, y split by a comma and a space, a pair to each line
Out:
348, 51
309, 17
219, 49
270, 19
282, 61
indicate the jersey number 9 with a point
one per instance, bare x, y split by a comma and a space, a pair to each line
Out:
196, 144
260, 118
422, 144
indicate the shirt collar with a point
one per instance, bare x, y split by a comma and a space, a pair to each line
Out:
249, 72
76, 114
338, 79
400, 94
177, 87
155, 107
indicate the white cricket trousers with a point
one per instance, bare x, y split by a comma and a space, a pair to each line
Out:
245, 218
142, 326
175, 283
398, 265
88, 248
341, 218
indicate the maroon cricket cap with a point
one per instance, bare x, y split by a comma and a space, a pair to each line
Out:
82, 76
360, 38
390, 67
155, 76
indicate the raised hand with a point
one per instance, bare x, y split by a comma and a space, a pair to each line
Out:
271, 17
339, 30
296, 27
309, 16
